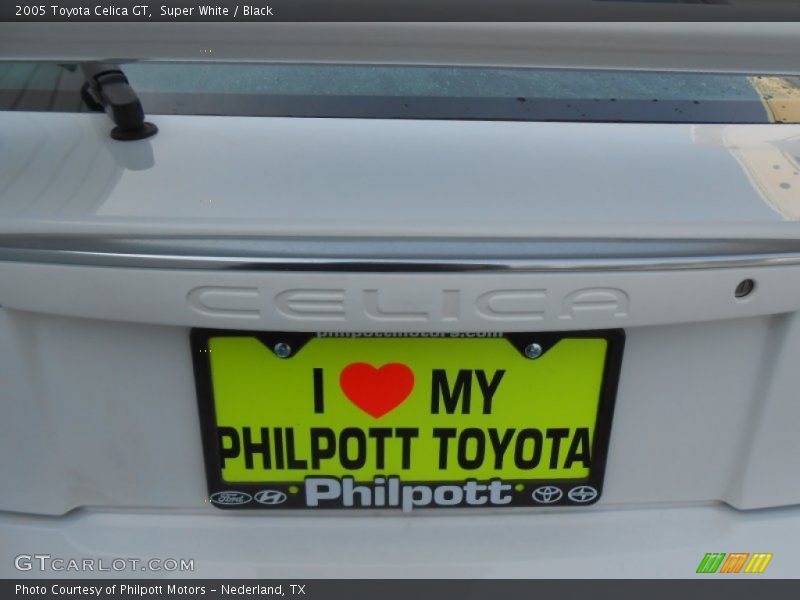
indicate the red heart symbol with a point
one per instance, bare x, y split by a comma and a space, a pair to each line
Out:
377, 391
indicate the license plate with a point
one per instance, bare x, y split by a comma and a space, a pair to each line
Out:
366, 421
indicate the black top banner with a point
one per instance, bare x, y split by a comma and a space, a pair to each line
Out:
400, 10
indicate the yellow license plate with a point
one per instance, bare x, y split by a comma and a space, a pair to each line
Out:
295, 420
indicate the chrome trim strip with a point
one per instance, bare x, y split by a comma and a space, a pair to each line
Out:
400, 255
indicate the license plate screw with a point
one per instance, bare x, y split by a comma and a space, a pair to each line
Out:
533, 351
282, 350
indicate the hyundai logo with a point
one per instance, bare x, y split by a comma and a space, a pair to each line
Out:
270, 497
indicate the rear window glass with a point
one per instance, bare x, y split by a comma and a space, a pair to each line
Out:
419, 92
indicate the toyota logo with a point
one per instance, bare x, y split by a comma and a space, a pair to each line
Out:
547, 494
582, 494
270, 497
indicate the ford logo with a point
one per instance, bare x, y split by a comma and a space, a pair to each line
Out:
230, 498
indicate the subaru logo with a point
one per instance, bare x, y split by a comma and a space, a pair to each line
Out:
547, 494
270, 497
582, 494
